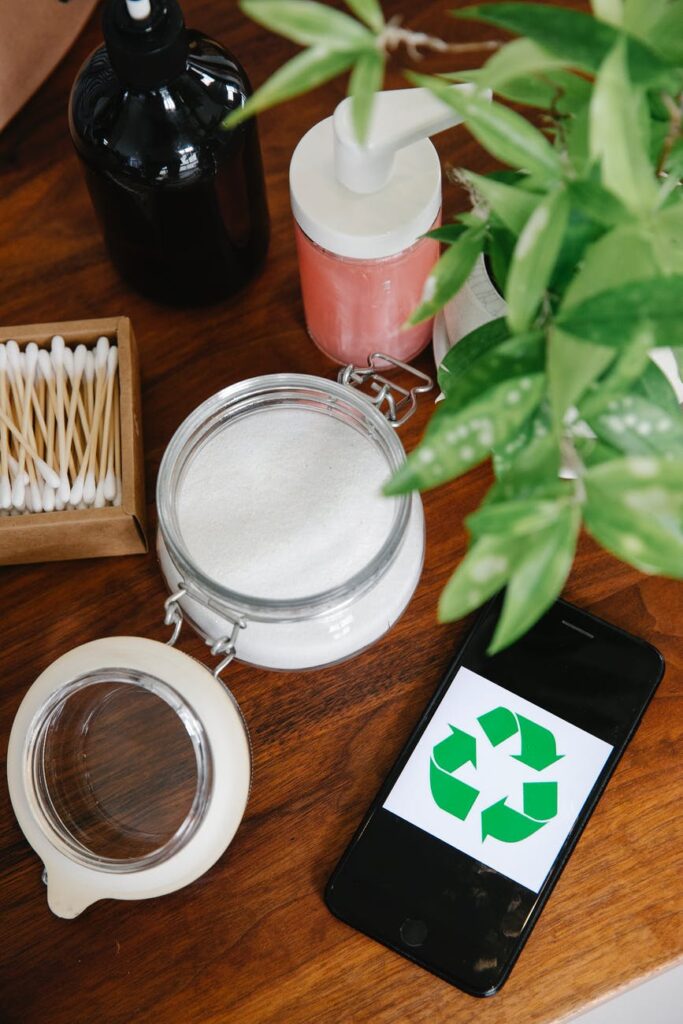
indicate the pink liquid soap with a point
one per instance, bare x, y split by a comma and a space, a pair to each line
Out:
355, 307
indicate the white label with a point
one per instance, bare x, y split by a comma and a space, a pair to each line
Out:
499, 778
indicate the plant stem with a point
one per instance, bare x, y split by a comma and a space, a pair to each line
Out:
393, 35
676, 114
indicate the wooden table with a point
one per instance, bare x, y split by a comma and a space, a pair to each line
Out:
252, 941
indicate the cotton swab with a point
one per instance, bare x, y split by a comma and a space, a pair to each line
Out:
101, 358
112, 363
117, 444
57, 357
30, 363
5, 486
84, 487
76, 375
48, 475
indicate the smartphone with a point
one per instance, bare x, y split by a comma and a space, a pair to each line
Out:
468, 835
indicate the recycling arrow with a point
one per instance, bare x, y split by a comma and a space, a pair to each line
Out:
511, 826
538, 749
450, 793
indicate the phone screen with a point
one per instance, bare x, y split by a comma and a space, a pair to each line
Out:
475, 821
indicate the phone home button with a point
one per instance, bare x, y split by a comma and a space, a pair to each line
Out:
413, 932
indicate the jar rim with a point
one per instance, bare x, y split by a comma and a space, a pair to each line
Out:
61, 836
268, 390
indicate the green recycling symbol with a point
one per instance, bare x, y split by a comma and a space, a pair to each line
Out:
538, 751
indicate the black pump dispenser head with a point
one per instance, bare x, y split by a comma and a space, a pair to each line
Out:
145, 53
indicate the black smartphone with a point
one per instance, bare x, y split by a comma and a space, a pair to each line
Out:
468, 835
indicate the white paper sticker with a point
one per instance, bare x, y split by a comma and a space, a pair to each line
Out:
499, 778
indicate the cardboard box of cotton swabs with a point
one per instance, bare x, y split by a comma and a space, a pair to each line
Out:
116, 529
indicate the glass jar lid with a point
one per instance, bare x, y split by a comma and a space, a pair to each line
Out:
112, 768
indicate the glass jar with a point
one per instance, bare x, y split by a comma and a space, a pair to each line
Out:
281, 623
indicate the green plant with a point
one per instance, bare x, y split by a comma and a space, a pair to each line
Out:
584, 235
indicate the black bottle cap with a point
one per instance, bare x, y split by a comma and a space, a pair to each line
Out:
145, 54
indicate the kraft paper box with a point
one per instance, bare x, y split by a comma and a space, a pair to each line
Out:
93, 532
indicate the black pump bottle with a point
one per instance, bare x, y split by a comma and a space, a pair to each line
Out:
180, 200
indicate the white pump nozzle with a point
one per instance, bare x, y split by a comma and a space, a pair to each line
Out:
399, 118
139, 9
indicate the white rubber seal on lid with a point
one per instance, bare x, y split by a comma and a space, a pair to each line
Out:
74, 878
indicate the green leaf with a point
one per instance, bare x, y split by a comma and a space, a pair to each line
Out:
576, 141
629, 366
447, 233
512, 204
514, 357
517, 517
481, 574
464, 437
580, 232
579, 39
593, 452
468, 350
449, 274
366, 80
599, 204
309, 24
636, 426
500, 246
616, 316
636, 473
655, 386
678, 355
572, 367
558, 90
666, 35
534, 258
666, 234
609, 11
368, 11
629, 252
302, 73
519, 59
634, 509
641, 15
505, 134
537, 578
616, 138
529, 461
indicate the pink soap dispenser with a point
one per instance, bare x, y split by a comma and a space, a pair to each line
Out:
360, 213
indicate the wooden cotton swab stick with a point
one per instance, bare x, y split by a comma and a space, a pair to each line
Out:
30, 363
101, 362
84, 488
5, 486
57, 356
110, 483
45, 471
17, 390
117, 444
76, 375
112, 364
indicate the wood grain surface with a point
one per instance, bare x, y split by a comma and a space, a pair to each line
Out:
252, 941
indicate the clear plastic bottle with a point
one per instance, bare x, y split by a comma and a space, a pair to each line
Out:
180, 200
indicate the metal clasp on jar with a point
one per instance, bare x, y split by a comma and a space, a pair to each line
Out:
225, 645
399, 402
